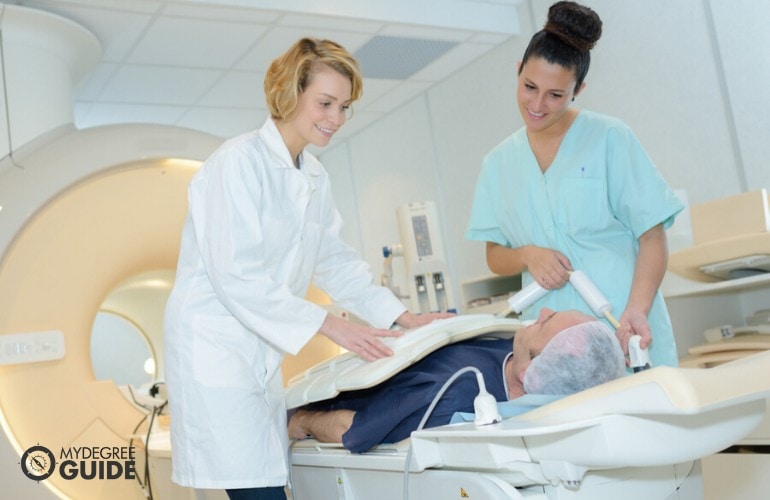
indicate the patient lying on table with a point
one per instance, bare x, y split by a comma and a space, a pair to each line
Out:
561, 353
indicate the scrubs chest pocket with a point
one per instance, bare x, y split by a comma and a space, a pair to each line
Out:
583, 206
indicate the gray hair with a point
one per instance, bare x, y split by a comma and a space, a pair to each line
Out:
577, 358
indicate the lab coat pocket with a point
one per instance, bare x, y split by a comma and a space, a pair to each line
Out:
223, 352
583, 207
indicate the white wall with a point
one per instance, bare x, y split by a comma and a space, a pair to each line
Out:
688, 76
741, 31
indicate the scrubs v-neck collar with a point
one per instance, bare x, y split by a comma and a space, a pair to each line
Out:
564, 144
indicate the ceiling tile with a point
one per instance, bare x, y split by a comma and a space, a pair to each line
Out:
237, 89
453, 14
426, 33
223, 122
201, 63
215, 13
195, 43
118, 31
158, 85
279, 39
452, 61
146, 6
324, 23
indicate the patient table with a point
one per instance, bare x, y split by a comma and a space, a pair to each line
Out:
640, 437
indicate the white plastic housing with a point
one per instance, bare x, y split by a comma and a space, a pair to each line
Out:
526, 297
590, 294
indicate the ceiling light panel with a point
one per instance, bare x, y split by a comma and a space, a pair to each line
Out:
398, 58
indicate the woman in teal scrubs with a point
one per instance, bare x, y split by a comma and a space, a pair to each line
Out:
575, 190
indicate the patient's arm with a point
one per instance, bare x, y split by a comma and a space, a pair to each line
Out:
325, 426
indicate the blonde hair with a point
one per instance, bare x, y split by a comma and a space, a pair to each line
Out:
289, 75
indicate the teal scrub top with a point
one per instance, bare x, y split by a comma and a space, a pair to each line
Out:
600, 194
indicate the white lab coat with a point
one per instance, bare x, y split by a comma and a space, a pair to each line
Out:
257, 232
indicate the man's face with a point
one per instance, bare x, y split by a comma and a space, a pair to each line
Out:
530, 341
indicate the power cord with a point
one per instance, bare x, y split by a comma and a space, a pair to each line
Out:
484, 405
153, 411
131, 444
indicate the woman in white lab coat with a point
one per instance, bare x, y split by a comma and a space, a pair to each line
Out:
261, 226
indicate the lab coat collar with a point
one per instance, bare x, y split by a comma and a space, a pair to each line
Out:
278, 150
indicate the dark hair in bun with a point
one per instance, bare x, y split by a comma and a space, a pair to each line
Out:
567, 38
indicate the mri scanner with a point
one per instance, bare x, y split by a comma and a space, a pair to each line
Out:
81, 212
